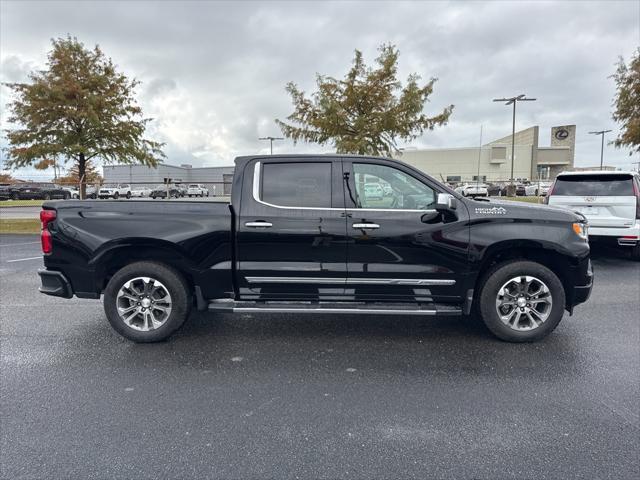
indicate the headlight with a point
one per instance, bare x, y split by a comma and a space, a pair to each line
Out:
582, 230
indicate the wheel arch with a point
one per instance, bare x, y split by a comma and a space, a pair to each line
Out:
531, 250
113, 257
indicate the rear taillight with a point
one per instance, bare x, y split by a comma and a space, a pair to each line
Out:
636, 192
549, 192
46, 217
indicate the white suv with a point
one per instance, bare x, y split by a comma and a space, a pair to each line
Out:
115, 191
197, 190
609, 199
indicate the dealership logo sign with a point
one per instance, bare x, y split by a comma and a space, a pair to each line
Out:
491, 211
562, 134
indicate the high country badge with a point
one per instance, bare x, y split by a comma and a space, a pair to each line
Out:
491, 211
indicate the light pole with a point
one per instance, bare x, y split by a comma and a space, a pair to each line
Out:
601, 133
271, 139
514, 101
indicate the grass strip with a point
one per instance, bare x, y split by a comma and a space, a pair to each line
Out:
20, 203
20, 225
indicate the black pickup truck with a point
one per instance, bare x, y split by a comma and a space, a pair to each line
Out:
320, 234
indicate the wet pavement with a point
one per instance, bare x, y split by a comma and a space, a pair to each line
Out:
286, 396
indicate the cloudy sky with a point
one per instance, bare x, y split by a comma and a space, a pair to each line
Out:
213, 73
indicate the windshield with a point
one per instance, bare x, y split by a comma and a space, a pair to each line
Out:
594, 185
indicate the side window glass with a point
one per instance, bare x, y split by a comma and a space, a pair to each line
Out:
383, 187
303, 184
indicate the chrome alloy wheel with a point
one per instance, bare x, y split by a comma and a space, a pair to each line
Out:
144, 303
524, 303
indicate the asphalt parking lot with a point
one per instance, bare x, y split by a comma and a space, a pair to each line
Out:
276, 396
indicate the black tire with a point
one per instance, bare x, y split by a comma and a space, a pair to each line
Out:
128, 195
46, 196
116, 195
635, 253
172, 280
67, 196
153, 197
493, 281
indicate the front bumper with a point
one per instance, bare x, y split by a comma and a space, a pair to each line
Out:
54, 284
581, 293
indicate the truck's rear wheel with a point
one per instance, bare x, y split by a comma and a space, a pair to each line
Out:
521, 301
146, 301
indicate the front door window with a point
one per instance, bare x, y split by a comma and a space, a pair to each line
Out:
383, 187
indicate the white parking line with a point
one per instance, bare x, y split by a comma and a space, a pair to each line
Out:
24, 259
16, 244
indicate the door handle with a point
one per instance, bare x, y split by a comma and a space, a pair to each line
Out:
259, 224
366, 226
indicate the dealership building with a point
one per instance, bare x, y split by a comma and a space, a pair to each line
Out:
493, 160
216, 179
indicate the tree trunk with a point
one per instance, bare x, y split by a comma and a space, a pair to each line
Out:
81, 175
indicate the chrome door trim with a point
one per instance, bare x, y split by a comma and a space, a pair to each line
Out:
354, 281
256, 197
365, 226
435, 282
258, 224
314, 280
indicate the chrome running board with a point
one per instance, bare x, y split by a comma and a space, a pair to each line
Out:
230, 306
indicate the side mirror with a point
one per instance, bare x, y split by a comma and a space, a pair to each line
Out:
446, 202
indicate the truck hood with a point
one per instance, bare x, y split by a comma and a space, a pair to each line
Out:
521, 210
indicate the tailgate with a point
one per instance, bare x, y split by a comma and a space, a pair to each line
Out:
612, 212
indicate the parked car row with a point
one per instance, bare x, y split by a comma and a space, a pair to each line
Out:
31, 191
499, 189
51, 191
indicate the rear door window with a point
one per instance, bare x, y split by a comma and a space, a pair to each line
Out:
594, 185
303, 184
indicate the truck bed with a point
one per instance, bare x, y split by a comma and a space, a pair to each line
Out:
95, 236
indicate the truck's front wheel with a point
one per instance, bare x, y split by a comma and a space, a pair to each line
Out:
521, 301
146, 301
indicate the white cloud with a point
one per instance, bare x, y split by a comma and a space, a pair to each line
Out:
213, 73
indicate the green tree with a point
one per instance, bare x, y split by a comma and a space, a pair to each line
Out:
627, 103
365, 113
80, 108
